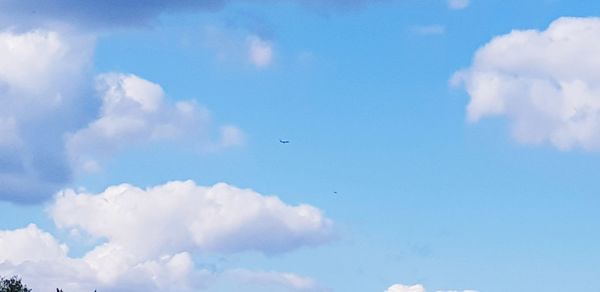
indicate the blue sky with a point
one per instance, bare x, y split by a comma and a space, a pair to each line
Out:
461, 143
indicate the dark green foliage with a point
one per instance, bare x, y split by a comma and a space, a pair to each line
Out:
13, 284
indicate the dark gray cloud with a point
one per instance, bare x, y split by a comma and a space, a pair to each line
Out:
36, 165
93, 13
45, 77
56, 120
123, 13
44, 94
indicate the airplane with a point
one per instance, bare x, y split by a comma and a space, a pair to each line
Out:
284, 141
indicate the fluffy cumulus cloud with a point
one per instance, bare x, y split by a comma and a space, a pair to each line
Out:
43, 263
43, 94
51, 123
134, 111
149, 237
29, 244
181, 215
546, 83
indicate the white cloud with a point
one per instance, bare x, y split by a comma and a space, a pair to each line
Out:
545, 82
43, 262
181, 215
237, 45
46, 126
29, 244
458, 4
113, 271
150, 236
287, 281
38, 258
418, 288
42, 65
403, 288
434, 29
42, 77
230, 136
117, 269
47, 96
260, 51
134, 111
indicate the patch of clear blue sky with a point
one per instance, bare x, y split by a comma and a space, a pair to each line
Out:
423, 197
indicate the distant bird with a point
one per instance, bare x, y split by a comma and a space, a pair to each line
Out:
284, 141
335, 193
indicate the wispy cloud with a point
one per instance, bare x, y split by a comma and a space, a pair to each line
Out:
260, 52
435, 29
458, 4
240, 46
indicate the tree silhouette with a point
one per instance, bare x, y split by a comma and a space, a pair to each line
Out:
13, 284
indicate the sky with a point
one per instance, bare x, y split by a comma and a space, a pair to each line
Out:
434, 145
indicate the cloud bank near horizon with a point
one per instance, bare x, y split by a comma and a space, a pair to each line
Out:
152, 234
418, 288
